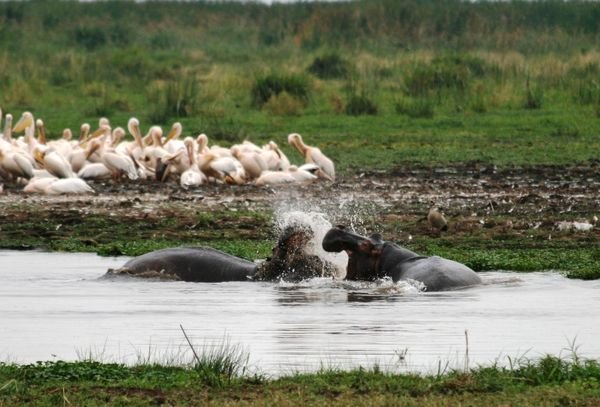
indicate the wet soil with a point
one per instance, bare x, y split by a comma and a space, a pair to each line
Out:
480, 201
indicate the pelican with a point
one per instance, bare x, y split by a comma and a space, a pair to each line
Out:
62, 146
178, 160
251, 160
27, 124
172, 142
192, 176
275, 178
7, 135
117, 163
202, 143
38, 185
304, 173
94, 171
15, 164
313, 155
68, 186
53, 161
136, 149
225, 169
84, 132
279, 161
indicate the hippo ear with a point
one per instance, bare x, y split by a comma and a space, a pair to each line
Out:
342, 227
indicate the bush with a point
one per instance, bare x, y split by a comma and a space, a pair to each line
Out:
283, 104
444, 73
90, 38
272, 85
415, 108
588, 92
533, 97
329, 66
176, 98
360, 104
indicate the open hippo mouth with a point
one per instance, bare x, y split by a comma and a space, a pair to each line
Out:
291, 260
364, 253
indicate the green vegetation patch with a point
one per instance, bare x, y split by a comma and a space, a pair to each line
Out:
548, 380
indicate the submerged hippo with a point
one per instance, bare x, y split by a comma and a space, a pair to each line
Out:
370, 258
289, 261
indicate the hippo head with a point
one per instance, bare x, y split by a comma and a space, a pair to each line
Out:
363, 252
291, 260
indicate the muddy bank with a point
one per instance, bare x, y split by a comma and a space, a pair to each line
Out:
509, 207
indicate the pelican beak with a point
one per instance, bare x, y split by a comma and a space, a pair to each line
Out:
24, 122
229, 180
161, 171
39, 156
174, 132
92, 150
322, 174
97, 133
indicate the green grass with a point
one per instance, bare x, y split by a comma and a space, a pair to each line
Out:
525, 92
549, 380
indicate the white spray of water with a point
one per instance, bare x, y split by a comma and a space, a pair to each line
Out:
318, 223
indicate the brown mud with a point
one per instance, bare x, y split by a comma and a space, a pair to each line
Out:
480, 201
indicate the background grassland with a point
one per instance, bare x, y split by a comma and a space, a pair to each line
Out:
399, 81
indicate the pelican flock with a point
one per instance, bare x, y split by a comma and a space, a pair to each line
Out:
66, 165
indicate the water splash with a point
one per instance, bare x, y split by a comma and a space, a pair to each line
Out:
318, 223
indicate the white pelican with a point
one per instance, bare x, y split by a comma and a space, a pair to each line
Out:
226, 169
94, 171
278, 160
15, 164
192, 176
136, 149
275, 178
202, 143
68, 186
251, 160
38, 185
117, 163
313, 155
84, 132
61, 146
304, 173
172, 143
27, 124
7, 135
53, 161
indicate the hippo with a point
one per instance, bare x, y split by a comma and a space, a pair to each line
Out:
289, 261
200, 264
371, 258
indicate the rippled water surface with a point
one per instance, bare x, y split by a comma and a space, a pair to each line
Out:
59, 306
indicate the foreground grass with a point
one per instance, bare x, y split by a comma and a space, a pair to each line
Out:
548, 381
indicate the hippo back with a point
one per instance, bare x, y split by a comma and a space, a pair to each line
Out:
200, 264
436, 273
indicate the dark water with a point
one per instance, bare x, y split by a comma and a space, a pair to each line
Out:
58, 306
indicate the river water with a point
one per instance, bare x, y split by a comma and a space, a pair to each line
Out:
59, 306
